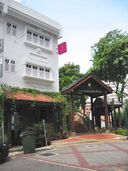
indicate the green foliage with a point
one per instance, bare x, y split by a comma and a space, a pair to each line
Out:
121, 131
125, 112
69, 73
26, 90
55, 95
2, 97
110, 59
39, 125
119, 115
1, 116
126, 108
13, 107
4, 90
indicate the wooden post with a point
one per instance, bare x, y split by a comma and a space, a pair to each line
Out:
114, 115
106, 111
93, 125
109, 120
72, 115
119, 117
83, 104
45, 132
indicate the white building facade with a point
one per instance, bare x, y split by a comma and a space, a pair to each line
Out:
29, 57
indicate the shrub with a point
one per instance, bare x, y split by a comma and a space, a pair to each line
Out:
121, 131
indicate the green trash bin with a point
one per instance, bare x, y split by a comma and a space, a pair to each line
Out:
28, 141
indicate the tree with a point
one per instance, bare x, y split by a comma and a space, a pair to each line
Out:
110, 60
125, 112
69, 73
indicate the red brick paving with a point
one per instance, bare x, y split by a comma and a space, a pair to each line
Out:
97, 136
85, 161
118, 148
82, 161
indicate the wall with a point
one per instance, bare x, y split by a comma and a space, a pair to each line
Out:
23, 52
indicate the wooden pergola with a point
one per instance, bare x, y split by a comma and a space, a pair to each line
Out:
90, 86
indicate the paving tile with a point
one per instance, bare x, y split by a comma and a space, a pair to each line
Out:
95, 147
70, 159
102, 156
123, 145
106, 158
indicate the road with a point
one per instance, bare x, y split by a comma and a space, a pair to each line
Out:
96, 156
24, 164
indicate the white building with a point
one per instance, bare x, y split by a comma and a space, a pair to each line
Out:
30, 58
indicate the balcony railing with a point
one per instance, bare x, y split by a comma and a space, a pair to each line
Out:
37, 74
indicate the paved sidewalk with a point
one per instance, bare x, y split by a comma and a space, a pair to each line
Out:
99, 156
94, 152
87, 138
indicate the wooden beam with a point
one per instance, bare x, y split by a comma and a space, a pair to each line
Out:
93, 125
106, 111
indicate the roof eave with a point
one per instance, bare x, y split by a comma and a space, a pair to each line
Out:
81, 81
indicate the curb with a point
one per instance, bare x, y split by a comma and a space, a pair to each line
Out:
18, 151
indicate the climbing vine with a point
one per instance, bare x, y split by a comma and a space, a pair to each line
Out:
4, 90
13, 107
2, 97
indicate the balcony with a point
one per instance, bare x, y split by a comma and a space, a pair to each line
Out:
39, 74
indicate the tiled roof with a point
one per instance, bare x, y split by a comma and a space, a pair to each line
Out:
29, 97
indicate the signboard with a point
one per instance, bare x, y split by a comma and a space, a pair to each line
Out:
62, 48
90, 91
1, 56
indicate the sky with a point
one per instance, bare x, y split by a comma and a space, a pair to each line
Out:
83, 22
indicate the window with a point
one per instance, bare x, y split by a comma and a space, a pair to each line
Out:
47, 42
41, 69
14, 30
11, 29
6, 66
47, 73
28, 66
41, 40
29, 35
34, 67
35, 71
28, 69
35, 37
41, 72
9, 65
38, 71
12, 66
8, 28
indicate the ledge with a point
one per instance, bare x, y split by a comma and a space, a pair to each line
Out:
37, 46
26, 77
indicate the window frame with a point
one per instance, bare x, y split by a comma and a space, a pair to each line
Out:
39, 38
12, 65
